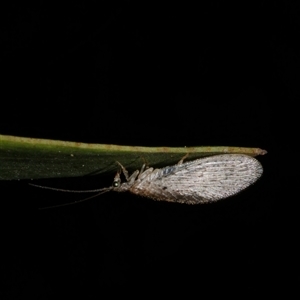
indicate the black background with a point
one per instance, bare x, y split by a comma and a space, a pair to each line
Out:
219, 74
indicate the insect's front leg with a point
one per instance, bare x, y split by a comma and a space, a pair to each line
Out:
132, 177
125, 172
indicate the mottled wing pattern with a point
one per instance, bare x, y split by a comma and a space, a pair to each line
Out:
200, 181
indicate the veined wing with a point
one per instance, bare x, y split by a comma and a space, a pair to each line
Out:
203, 180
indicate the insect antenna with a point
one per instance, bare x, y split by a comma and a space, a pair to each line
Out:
100, 192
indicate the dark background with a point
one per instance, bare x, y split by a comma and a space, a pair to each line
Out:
218, 74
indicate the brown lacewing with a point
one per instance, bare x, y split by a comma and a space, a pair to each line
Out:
203, 180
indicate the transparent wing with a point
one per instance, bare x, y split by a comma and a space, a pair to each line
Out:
203, 180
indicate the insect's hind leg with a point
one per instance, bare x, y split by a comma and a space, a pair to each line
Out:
181, 161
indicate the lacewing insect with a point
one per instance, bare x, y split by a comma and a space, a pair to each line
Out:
203, 180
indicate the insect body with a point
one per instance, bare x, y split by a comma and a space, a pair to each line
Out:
199, 181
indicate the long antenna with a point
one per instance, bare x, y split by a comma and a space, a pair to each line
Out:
102, 191
70, 191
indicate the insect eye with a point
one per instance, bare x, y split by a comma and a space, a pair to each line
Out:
116, 183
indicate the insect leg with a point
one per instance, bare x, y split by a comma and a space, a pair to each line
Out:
144, 173
128, 178
143, 168
133, 176
125, 172
181, 161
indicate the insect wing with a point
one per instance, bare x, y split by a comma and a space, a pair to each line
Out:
204, 180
